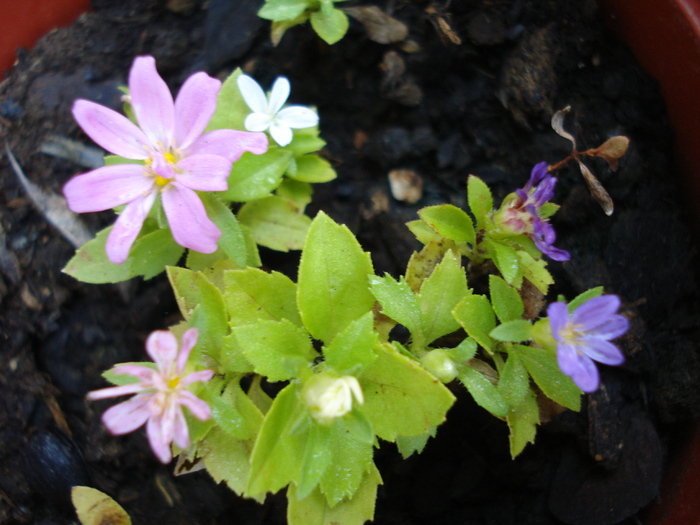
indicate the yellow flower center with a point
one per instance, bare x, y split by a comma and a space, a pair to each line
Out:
173, 383
161, 181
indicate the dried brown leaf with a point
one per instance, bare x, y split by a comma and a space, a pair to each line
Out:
380, 27
558, 126
596, 189
612, 150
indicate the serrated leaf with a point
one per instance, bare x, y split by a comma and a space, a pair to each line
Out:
255, 176
399, 303
483, 391
542, 366
330, 24
585, 296
275, 222
464, 351
148, 257
422, 264
401, 398
522, 422
231, 109
449, 221
515, 331
97, 508
535, 271
278, 350
506, 301
507, 261
226, 458
298, 192
235, 413
439, 294
232, 240
475, 315
413, 445
315, 510
332, 290
253, 295
480, 199
353, 349
422, 231
514, 382
312, 168
231, 356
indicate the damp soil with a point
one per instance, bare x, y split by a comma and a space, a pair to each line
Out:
439, 109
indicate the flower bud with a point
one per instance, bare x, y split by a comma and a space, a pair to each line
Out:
439, 363
329, 397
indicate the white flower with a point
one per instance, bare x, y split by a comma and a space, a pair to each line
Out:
268, 113
330, 397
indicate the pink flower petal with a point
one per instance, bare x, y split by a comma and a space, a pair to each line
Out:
116, 391
111, 130
202, 375
194, 106
161, 345
204, 172
189, 339
229, 143
107, 187
199, 408
152, 102
160, 436
144, 373
127, 228
127, 416
181, 434
188, 220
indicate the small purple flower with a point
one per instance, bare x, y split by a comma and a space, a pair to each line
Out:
522, 214
179, 159
161, 394
584, 336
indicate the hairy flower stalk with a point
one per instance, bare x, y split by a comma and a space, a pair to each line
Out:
521, 214
584, 337
178, 158
160, 395
268, 112
329, 397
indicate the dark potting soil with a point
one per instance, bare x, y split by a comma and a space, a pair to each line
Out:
427, 104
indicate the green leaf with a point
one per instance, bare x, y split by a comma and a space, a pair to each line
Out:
148, 257
422, 231
333, 290
232, 240
231, 356
401, 398
312, 168
298, 192
411, 445
535, 271
315, 510
505, 299
255, 176
278, 10
253, 295
278, 350
548, 209
507, 261
353, 349
464, 351
97, 508
231, 109
439, 295
275, 222
515, 331
306, 141
514, 382
235, 413
330, 24
480, 199
522, 421
450, 222
399, 303
475, 315
483, 391
542, 366
585, 296
279, 451
227, 458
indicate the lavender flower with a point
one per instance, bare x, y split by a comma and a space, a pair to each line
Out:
268, 113
179, 159
584, 336
161, 394
522, 213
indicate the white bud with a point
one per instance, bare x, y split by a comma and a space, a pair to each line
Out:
439, 363
329, 397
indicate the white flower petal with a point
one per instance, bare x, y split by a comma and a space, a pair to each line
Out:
253, 94
257, 122
279, 94
298, 117
281, 133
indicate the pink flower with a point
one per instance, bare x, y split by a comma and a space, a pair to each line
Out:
161, 394
179, 159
